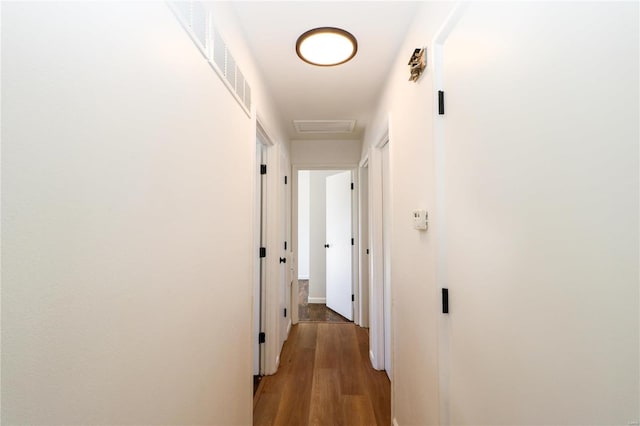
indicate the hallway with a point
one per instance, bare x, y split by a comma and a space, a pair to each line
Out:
151, 158
325, 378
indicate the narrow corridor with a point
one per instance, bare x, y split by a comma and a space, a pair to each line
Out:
325, 378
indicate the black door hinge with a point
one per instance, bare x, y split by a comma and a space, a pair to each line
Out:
263, 252
263, 169
445, 300
261, 337
283, 260
353, 297
352, 186
367, 251
285, 245
285, 312
440, 102
352, 242
285, 180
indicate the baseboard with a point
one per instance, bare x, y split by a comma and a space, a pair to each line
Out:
288, 329
395, 422
318, 300
277, 363
372, 358
303, 278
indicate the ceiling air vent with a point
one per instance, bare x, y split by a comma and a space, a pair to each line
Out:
324, 126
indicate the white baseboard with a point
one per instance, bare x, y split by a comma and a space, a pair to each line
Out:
303, 277
288, 329
372, 358
317, 300
395, 422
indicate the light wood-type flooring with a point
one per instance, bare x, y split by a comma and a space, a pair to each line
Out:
325, 378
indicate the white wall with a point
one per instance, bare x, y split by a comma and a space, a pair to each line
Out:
119, 263
303, 224
326, 152
541, 236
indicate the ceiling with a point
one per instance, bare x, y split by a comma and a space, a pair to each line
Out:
306, 92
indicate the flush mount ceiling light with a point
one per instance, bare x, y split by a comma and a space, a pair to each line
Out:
326, 46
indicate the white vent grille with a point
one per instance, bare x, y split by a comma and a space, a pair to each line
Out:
219, 51
247, 94
324, 126
199, 24
231, 70
240, 84
196, 19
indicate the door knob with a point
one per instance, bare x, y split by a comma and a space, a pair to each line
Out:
326, 246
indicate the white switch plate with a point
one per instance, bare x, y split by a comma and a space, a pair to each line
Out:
420, 220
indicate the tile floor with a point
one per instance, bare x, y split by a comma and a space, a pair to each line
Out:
314, 311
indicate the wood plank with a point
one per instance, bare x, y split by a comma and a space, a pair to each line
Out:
351, 370
326, 407
295, 398
357, 410
325, 378
376, 383
266, 409
327, 346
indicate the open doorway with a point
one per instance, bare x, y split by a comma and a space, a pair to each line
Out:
325, 245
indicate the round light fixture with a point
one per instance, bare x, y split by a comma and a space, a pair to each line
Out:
326, 46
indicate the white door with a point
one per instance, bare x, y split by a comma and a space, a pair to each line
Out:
338, 244
259, 289
285, 221
386, 255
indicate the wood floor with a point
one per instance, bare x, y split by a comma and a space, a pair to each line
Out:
325, 378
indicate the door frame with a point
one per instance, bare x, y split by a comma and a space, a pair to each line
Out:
364, 231
355, 279
444, 324
261, 226
376, 258
340, 238
276, 154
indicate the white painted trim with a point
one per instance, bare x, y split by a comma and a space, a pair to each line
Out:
372, 358
355, 248
303, 278
449, 23
443, 360
376, 269
264, 311
273, 312
384, 138
318, 300
295, 317
363, 305
324, 166
262, 130
288, 329
395, 422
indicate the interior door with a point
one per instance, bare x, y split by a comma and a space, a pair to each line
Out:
386, 256
285, 221
338, 244
259, 290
